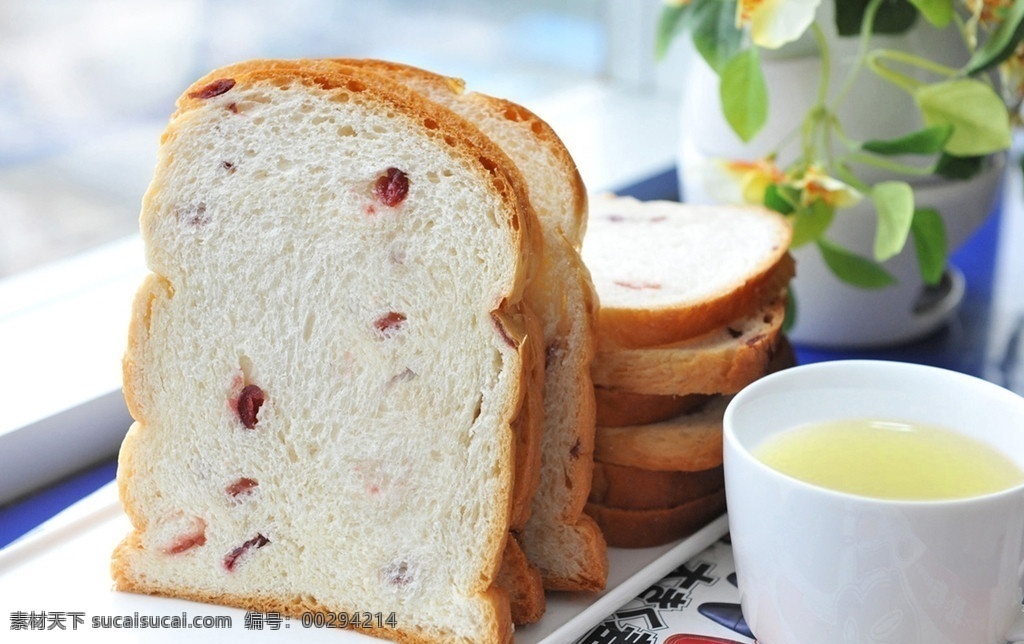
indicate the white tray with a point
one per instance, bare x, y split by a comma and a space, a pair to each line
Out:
63, 567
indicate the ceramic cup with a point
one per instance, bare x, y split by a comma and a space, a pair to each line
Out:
816, 565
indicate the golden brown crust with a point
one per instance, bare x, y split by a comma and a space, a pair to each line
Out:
590, 572
634, 488
647, 528
527, 426
574, 228
721, 361
622, 408
522, 583
687, 443
638, 328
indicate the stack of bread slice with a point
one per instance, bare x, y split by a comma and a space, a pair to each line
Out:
693, 299
363, 322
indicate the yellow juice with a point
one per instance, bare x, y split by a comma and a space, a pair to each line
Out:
890, 460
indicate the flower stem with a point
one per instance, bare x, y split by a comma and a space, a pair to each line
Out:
878, 60
816, 127
863, 45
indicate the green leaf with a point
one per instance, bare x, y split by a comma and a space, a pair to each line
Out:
671, 21
927, 141
930, 245
811, 222
954, 167
714, 32
852, 268
1001, 44
894, 202
979, 118
937, 12
893, 17
780, 199
744, 94
789, 321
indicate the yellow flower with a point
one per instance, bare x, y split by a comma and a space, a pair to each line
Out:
773, 23
988, 12
815, 185
753, 177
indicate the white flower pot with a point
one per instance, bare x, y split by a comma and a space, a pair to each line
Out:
830, 312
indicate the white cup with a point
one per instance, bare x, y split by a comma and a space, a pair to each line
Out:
817, 566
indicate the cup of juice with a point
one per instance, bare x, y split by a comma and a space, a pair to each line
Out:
877, 502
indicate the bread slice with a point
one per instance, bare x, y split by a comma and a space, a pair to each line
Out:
720, 361
327, 363
666, 271
691, 442
634, 488
560, 539
617, 408
649, 528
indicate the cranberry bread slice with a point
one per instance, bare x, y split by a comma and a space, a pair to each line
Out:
560, 539
649, 528
327, 362
667, 271
616, 408
721, 361
634, 488
691, 442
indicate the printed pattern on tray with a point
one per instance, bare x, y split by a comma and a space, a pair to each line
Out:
697, 603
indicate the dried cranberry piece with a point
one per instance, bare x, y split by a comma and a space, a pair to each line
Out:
216, 88
391, 188
243, 485
249, 403
387, 325
189, 540
231, 559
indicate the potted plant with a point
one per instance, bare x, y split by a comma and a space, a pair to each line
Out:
881, 119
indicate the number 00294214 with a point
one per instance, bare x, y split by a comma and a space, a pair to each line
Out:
325, 619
